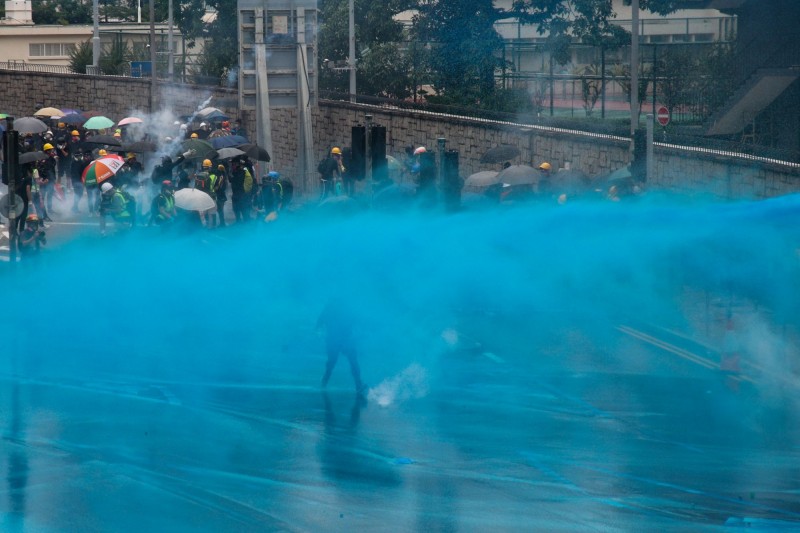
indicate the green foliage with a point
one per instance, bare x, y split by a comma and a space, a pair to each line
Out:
465, 47
383, 67
114, 59
61, 12
591, 87
220, 54
80, 57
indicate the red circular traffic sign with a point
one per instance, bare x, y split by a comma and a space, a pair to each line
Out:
663, 115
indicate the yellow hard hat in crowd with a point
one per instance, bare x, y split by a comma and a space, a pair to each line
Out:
206, 163
61, 125
545, 166
75, 133
47, 146
102, 152
336, 151
220, 167
194, 136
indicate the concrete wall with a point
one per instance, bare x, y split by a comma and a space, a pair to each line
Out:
676, 169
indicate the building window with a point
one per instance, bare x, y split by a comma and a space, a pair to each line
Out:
50, 49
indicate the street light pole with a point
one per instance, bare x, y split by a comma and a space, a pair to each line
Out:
351, 61
152, 56
171, 55
634, 66
95, 35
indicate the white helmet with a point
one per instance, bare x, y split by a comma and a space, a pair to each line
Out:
106, 187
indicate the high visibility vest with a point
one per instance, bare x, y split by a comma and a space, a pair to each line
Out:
125, 213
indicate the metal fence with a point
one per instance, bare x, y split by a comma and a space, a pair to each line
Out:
689, 136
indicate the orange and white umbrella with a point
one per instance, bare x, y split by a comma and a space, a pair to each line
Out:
102, 169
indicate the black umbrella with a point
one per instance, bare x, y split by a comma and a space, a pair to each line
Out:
519, 175
254, 151
29, 125
499, 154
107, 140
73, 119
30, 157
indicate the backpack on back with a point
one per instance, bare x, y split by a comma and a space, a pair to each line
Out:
248, 181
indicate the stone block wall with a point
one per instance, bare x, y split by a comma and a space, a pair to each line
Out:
681, 170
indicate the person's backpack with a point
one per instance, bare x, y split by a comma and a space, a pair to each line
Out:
130, 203
248, 181
286, 191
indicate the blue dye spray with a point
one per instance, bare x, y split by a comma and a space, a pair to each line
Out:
240, 306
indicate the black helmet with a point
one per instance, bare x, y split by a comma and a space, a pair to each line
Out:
166, 159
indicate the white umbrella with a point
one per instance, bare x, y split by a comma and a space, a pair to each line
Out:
194, 200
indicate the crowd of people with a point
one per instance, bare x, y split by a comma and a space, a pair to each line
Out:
56, 166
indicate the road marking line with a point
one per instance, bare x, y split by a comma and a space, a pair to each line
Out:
680, 352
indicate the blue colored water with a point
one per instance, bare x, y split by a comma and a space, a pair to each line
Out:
172, 382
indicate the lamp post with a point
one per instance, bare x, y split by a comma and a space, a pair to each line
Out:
351, 60
95, 35
171, 55
634, 66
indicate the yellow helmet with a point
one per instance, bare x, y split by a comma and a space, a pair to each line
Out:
545, 166
75, 133
194, 136
336, 151
102, 152
206, 163
61, 125
47, 146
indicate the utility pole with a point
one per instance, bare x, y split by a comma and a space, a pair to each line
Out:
634, 67
170, 52
95, 36
351, 60
152, 56
11, 149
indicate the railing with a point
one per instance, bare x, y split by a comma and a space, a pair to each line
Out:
212, 81
34, 67
683, 136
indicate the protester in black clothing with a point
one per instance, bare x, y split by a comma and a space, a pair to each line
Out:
240, 196
221, 187
32, 237
329, 170
80, 161
339, 322
24, 184
47, 180
163, 172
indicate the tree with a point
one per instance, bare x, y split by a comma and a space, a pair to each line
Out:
114, 58
220, 55
61, 12
465, 48
383, 66
80, 57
